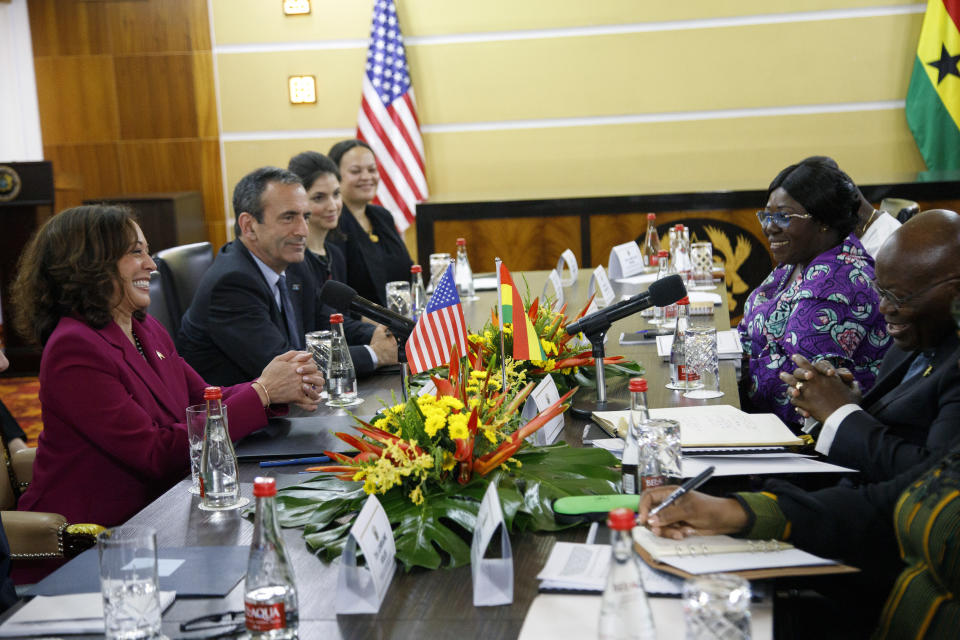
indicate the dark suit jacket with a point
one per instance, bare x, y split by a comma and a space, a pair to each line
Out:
335, 268
114, 436
234, 328
903, 425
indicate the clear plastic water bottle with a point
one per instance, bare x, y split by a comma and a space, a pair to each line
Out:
651, 243
270, 594
630, 466
624, 610
418, 293
681, 377
663, 315
341, 376
219, 488
462, 273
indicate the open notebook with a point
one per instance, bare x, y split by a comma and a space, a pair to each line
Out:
712, 426
751, 559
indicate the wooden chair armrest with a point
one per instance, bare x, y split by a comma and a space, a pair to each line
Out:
34, 534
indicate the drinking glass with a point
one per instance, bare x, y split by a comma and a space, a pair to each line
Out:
128, 581
701, 255
196, 421
702, 357
660, 453
717, 605
438, 264
398, 298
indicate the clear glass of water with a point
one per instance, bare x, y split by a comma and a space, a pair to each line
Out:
196, 419
702, 357
318, 344
398, 298
717, 606
128, 581
701, 256
438, 264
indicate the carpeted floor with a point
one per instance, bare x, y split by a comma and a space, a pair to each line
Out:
20, 397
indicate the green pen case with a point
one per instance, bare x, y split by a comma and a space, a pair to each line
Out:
574, 509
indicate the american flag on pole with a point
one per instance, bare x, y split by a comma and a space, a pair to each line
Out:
388, 118
439, 328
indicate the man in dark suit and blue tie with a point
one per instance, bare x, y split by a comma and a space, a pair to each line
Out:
912, 413
258, 299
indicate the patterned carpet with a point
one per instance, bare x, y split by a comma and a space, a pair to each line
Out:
20, 397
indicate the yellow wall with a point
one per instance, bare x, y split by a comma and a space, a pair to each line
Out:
587, 98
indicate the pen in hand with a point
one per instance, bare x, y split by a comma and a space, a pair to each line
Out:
689, 485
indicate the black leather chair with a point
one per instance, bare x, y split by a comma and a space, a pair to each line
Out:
181, 269
159, 304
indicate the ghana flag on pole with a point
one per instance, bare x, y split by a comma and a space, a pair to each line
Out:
933, 101
526, 342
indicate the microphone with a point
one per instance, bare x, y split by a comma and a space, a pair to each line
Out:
661, 293
343, 298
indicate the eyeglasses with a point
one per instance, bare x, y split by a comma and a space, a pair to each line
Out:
779, 218
898, 302
216, 621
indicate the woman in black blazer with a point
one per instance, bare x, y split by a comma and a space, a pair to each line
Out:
374, 251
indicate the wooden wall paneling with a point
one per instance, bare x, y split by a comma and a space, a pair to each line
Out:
68, 27
77, 99
156, 96
83, 171
160, 166
211, 181
204, 97
159, 26
522, 243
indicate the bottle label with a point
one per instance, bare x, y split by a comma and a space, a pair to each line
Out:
648, 482
629, 483
203, 493
264, 617
684, 373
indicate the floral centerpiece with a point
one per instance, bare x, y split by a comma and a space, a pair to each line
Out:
429, 461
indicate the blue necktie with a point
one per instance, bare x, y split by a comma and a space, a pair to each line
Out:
918, 366
288, 313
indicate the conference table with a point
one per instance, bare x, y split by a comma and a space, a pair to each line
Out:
419, 603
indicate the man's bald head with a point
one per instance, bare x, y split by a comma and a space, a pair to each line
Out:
920, 264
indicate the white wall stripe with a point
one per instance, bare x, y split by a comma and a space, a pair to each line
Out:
586, 31
587, 121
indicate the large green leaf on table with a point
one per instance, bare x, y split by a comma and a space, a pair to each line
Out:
437, 532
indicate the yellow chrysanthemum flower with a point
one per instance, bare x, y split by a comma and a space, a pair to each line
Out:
451, 403
457, 426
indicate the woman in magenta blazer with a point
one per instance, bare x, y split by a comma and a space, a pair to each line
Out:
113, 389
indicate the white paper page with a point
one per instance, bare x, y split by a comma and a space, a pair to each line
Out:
728, 345
721, 562
485, 283
577, 566
728, 465
704, 296
65, 614
642, 278
724, 425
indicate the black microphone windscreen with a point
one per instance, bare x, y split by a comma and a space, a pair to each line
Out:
667, 290
337, 295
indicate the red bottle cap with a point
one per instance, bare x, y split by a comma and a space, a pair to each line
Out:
461, 242
663, 253
264, 487
683, 300
212, 393
622, 519
651, 216
416, 269
638, 384
336, 318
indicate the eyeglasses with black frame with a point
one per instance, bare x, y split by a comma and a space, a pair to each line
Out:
899, 302
780, 218
216, 621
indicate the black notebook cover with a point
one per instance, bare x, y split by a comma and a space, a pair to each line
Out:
296, 438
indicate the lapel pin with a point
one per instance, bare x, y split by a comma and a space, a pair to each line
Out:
928, 370
294, 287
160, 355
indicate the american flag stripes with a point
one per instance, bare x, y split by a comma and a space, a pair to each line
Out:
439, 328
388, 118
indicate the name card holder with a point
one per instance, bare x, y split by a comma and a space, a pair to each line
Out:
600, 284
557, 285
542, 396
625, 260
492, 577
430, 387
362, 589
570, 260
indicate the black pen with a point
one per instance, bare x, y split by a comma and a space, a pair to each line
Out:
287, 463
689, 485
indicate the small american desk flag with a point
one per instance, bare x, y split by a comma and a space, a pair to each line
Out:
439, 328
388, 118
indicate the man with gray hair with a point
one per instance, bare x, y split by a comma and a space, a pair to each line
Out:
258, 299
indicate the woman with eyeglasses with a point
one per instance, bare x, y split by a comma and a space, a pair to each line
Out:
818, 301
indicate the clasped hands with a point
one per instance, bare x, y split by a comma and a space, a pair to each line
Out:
819, 389
292, 378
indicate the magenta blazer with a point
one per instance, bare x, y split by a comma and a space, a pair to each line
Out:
114, 434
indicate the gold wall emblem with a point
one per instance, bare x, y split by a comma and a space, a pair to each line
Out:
9, 183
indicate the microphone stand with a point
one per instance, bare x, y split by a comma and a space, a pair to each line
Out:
402, 338
584, 407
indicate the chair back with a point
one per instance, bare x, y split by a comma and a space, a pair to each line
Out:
159, 308
183, 267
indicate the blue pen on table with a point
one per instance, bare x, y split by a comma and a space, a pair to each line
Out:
293, 461
689, 485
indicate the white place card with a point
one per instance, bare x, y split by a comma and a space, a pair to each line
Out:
554, 280
570, 260
430, 387
542, 396
625, 260
362, 589
600, 284
492, 577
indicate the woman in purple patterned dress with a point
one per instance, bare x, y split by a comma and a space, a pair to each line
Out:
818, 301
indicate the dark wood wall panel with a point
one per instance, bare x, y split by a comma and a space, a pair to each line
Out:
522, 243
127, 100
